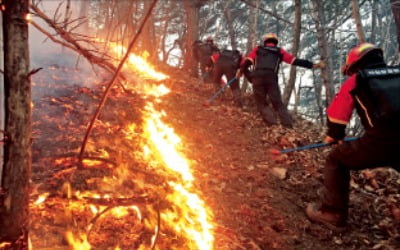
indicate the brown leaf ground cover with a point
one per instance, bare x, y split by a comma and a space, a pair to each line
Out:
257, 201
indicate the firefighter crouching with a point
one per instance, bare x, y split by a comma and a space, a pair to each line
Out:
373, 89
266, 60
227, 63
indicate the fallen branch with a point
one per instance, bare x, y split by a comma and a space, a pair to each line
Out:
118, 202
71, 42
104, 97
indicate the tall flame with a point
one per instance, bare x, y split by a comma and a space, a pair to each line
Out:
194, 220
191, 219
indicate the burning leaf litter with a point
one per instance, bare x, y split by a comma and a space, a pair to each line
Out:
164, 189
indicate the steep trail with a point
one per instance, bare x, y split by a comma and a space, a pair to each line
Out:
258, 202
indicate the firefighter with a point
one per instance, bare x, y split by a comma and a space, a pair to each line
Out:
373, 90
202, 52
266, 60
227, 62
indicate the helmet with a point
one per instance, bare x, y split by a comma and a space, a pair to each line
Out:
356, 54
270, 37
209, 39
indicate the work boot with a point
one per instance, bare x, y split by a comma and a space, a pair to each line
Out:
332, 219
268, 116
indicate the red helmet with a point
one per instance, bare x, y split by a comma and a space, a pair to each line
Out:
356, 54
270, 37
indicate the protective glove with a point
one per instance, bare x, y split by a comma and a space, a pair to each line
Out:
319, 65
238, 74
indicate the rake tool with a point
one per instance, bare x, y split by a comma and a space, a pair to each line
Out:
273, 151
212, 98
201, 80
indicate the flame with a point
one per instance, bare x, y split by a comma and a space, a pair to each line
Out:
41, 198
139, 64
191, 219
164, 145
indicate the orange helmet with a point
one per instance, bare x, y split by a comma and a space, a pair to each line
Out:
270, 37
356, 54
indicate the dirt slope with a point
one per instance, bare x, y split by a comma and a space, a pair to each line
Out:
258, 202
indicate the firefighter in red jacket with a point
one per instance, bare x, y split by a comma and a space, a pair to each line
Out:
227, 62
202, 52
372, 89
266, 60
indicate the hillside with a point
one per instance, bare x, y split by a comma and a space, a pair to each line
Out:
257, 201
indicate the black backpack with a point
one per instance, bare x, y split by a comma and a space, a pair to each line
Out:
231, 55
377, 96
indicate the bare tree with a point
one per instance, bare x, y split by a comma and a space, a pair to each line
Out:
356, 15
296, 40
252, 33
192, 9
322, 37
396, 13
14, 195
84, 13
229, 23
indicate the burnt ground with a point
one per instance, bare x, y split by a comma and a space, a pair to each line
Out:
258, 201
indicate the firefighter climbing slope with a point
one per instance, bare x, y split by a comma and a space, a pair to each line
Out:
227, 62
202, 51
266, 59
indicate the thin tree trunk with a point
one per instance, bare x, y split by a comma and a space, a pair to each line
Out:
229, 23
14, 212
252, 34
356, 15
84, 13
326, 73
192, 29
373, 21
396, 13
296, 41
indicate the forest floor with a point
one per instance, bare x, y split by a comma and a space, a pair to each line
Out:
257, 200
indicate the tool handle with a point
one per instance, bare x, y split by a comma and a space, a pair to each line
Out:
316, 145
221, 90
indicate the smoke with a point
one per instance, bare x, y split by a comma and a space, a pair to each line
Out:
60, 65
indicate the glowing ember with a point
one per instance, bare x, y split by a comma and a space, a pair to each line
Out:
41, 198
81, 243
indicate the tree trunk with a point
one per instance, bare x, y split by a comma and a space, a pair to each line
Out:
356, 15
192, 29
229, 23
373, 21
84, 13
14, 217
326, 73
296, 40
149, 39
396, 13
251, 34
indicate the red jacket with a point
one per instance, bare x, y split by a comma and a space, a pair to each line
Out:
342, 106
286, 56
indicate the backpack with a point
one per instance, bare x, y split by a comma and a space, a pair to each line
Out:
231, 55
377, 96
268, 58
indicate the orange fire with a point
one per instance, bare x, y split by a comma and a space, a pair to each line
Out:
190, 218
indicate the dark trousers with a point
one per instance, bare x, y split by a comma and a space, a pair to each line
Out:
227, 68
370, 151
264, 86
